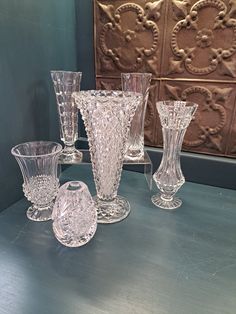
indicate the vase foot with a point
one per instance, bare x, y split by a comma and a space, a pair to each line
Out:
109, 212
71, 157
36, 214
166, 204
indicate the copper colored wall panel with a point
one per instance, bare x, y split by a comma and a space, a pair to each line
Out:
190, 48
200, 39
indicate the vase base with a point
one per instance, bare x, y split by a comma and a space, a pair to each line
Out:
134, 157
72, 157
109, 212
164, 204
35, 214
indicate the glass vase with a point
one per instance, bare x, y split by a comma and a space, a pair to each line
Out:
107, 116
38, 163
175, 117
74, 215
139, 83
65, 83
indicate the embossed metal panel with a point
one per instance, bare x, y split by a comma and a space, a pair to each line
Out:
190, 48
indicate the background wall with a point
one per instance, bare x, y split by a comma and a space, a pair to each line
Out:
35, 37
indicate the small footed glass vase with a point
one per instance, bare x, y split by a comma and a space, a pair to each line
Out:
38, 163
107, 116
175, 117
138, 83
74, 215
65, 83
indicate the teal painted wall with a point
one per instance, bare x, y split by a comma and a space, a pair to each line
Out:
35, 37
85, 48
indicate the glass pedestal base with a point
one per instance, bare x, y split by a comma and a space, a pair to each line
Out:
109, 212
39, 214
166, 204
70, 157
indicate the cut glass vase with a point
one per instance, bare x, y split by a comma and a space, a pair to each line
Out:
38, 163
175, 117
74, 215
65, 83
139, 83
107, 116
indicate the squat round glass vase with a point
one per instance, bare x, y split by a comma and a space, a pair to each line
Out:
107, 117
74, 215
175, 117
65, 83
139, 83
38, 162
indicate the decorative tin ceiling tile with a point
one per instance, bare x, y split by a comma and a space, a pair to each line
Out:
209, 130
128, 36
201, 39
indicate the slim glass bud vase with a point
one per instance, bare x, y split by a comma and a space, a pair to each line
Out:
107, 117
175, 117
65, 83
138, 83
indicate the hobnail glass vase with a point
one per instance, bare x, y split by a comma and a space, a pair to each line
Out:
139, 83
107, 116
65, 83
175, 117
38, 163
74, 215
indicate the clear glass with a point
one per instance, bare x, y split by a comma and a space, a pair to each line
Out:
65, 83
74, 215
38, 163
139, 83
107, 116
175, 117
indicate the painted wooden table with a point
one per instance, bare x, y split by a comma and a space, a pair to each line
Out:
155, 261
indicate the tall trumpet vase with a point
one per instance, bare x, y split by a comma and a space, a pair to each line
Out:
175, 117
107, 116
65, 83
139, 83
38, 163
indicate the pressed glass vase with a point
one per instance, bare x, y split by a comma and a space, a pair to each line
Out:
175, 117
65, 83
38, 163
139, 83
107, 116
74, 215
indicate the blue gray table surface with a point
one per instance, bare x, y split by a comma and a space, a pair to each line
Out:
155, 261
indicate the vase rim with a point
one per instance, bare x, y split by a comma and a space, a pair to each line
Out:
187, 103
37, 143
67, 72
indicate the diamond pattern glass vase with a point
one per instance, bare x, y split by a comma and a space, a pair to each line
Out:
38, 163
74, 215
65, 83
139, 83
107, 116
175, 117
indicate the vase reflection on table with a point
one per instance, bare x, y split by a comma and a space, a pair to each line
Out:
139, 83
65, 83
38, 163
175, 116
107, 116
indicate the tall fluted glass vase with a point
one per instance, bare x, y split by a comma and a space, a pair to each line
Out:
107, 116
65, 83
175, 117
139, 83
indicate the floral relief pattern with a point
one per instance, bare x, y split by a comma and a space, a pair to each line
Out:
129, 44
204, 40
210, 118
